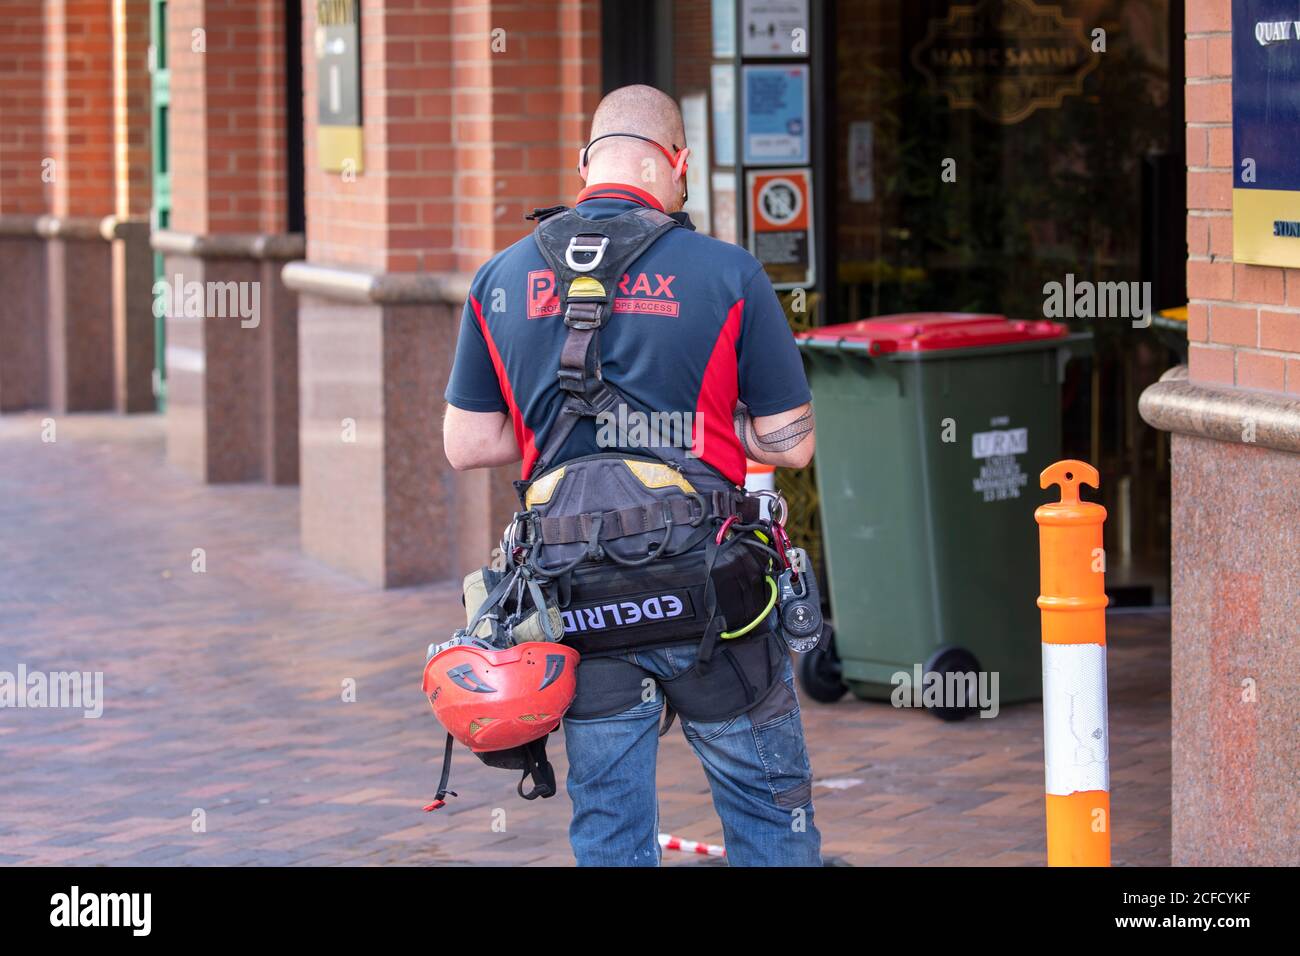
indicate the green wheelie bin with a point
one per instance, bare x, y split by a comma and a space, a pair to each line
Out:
931, 431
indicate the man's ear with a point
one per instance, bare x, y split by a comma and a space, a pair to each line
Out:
679, 168
582, 167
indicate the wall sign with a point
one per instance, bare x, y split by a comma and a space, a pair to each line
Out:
780, 220
722, 79
338, 85
768, 27
724, 207
695, 121
775, 115
723, 16
1265, 145
1005, 58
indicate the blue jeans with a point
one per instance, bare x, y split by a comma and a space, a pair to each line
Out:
756, 763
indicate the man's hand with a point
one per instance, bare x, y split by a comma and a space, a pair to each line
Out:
478, 439
785, 439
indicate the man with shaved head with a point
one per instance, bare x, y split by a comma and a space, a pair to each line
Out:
688, 328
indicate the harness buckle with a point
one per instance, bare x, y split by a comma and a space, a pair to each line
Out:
583, 244
584, 315
571, 380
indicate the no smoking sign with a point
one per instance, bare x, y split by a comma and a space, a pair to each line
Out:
780, 225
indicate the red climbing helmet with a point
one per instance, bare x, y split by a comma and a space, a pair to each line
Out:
494, 700
501, 704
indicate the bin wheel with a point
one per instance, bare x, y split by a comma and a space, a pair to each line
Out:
820, 674
950, 660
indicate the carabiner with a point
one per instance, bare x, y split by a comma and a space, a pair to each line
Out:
778, 501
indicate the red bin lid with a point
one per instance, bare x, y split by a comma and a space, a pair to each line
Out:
934, 331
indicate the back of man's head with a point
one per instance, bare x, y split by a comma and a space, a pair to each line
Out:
639, 109
647, 112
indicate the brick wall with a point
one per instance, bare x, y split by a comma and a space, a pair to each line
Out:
227, 115
692, 47
459, 141
1243, 320
22, 103
132, 149
406, 86
79, 106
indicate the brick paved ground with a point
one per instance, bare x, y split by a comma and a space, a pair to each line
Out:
223, 693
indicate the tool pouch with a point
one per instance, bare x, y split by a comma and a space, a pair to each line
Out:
491, 626
627, 543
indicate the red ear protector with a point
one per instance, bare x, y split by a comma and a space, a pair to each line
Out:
672, 157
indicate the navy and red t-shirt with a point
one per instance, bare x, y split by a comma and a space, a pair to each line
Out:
696, 326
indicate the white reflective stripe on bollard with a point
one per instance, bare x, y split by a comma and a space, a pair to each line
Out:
1075, 738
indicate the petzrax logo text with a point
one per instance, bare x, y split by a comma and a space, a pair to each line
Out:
649, 293
132, 910
658, 607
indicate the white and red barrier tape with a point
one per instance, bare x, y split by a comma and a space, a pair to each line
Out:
670, 842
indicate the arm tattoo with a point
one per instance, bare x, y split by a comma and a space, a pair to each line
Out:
742, 430
787, 436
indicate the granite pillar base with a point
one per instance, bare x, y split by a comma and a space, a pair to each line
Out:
379, 499
23, 327
133, 319
79, 312
232, 367
1236, 627
1236, 654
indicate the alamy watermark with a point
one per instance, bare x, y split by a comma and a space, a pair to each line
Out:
131, 911
219, 300
63, 690
628, 428
1084, 299
956, 690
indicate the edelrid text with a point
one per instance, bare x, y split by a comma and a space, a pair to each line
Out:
623, 614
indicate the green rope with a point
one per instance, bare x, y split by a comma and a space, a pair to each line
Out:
771, 601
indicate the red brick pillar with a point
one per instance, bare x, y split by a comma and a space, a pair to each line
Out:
79, 137
23, 199
1235, 415
232, 337
464, 131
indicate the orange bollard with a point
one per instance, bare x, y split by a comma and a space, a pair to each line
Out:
1073, 603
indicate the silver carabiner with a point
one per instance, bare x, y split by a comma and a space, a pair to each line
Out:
778, 502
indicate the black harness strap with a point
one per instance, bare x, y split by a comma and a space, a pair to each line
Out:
438, 800
638, 519
670, 714
587, 289
539, 768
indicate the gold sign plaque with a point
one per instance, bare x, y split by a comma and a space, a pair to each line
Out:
337, 44
1005, 58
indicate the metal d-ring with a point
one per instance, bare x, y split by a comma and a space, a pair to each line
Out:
594, 249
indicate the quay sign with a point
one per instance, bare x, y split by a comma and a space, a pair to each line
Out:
1265, 118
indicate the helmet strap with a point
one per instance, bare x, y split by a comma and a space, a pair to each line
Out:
539, 768
438, 800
